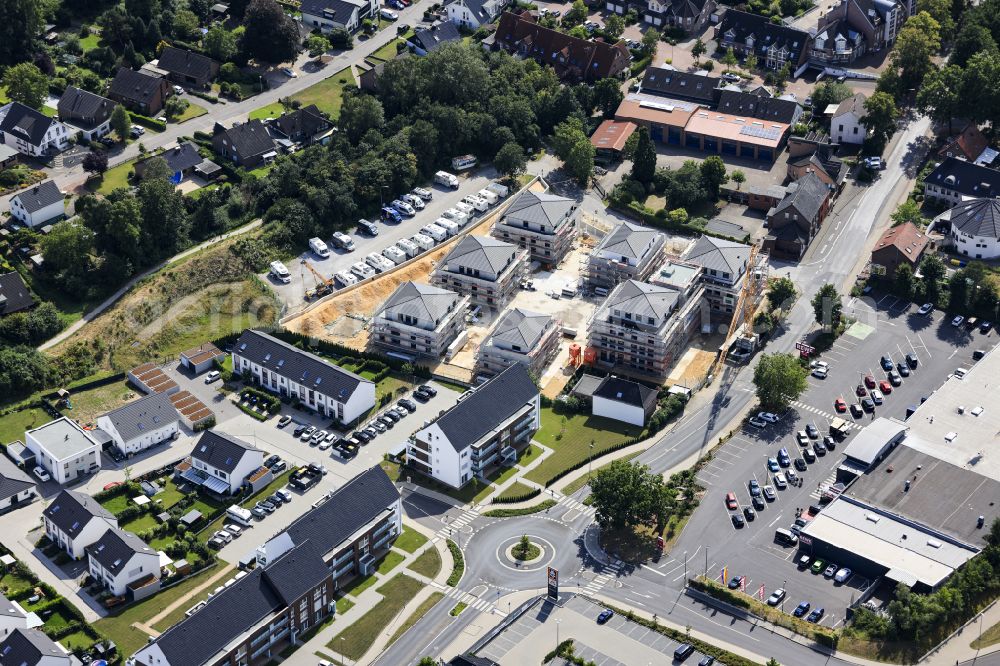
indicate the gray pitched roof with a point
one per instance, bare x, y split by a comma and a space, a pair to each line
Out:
965, 178
304, 122
430, 39
250, 138
806, 196
540, 208
71, 511
854, 104
337, 10
521, 327
181, 157
476, 8
483, 253
350, 507
977, 217
486, 406
12, 479
422, 301
680, 85
765, 33
14, 294
642, 299
39, 196
627, 240
83, 108
626, 391
298, 365
142, 415
115, 550
27, 647
7, 608
740, 103
25, 123
135, 86
718, 254
297, 571
221, 450
188, 63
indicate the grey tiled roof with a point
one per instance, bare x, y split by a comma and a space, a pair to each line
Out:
28, 647
757, 106
297, 365
721, 255
521, 327
297, 571
680, 85
39, 196
854, 104
7, 608
149, 413
221, 450
977, 217
419, 300
626, 391
966, 178
181, 157
71, 511
14, 294
83, 108
429, 39
188, 63
135, 86
627, 240
115, 549
250, 138
806, 196
539, 208
25, 123
12, 479
642, 299
350, 507
488, 405
483, 253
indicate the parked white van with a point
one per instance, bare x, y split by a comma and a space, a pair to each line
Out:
394, 254
362, 270
423, 241
239, 515
446, 179
408, 247
477, 203
490, 197
280, 272
319, 247
500, 190
346, 279
435, 232
458, 217
465, 208
378, 262
447, 225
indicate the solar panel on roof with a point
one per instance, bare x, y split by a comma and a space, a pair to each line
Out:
760, 132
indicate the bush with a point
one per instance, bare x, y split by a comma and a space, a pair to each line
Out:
459, 568
513, 499
148, 123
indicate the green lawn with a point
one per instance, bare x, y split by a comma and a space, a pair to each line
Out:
13, 425
343, 605
517, 489
146, 521
359, 636
193, 111
327, 95
576, 484
410, 540
117, 503
13, 584
428, 564
3, 95
77, 639
90, 42
114, 178
390, 562
569, 436
49, 111
359, 585
119, 627
88, 405
427, 604
388, 51
529, 455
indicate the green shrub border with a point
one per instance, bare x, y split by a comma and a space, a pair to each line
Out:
526, 511
459, 569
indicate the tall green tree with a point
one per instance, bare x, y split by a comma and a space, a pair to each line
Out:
917, 43
26, 84
713, 175
780, 292
738, 177
933, 271
220, 44
185, 25
614, 26
608, 95
510, 160
360, 113
574, 149
830, 92
779, 379
20, 24
650, 39
940, 95
698, 50
979, 92
940, 11
729, 59
827, 307
902, 281
121, 123
908, 211
881, 114
626, 494
973, 38
271, 35
644, 157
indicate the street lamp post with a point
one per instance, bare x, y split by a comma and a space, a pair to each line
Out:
591, 469
558, 622
343, 656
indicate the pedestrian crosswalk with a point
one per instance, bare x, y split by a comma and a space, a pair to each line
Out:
608, 572
825, 483
472, 601
570, 503
453, 526
827, 415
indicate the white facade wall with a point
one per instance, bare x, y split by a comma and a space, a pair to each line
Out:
39, 217
75, 547
618, 411
141, 443
140, 566
56, 140
447, 465
847, 129
325, 24
975, 247
17, 498
68, 469
251, 461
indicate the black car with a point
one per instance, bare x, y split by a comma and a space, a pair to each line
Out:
830, 443
735, 581
276, 499
421, 395
819, 448
758, 503
868, 404
363, 436
683, 651
706, 661
271, 460
299, 429
887, 363
903, 369
737, 520
749, 513
391, 415
894, 378
386, 421
812, 431
367, 227
800, 464
911, 360
409, 405
856, 410
984, 327
428, 389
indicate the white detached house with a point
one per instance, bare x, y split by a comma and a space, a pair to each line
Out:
847, 124
31, 132
74, 521
38, 205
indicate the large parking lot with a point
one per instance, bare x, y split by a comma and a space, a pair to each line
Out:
884, 326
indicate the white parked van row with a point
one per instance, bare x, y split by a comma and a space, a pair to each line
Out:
458, 217
500, 190
345, 278
476, 203
394, 254
446, 179
280, 273
435, 232
447, 225
465, 208
408, 247
319, 247
423, 241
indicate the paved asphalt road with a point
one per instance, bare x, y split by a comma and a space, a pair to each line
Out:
834, 259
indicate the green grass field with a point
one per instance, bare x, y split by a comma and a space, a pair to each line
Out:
569, 436
12, 426
327, 95
114, 178
391, 561
359, 636
193, 111
410, 540
517, 489
90, 42
428, 564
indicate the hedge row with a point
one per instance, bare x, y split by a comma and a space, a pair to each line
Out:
512, 499
149, 123
525, 511
646, 215
603, 452
459, 569
205, 96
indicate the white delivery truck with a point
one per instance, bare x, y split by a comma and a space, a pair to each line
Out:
280, 272
394, 254
447, 225
239, 515
319, 247
446, 179
408, 247
490, 197
435, 232
423, 241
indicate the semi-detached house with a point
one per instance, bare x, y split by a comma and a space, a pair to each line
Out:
31, 647
75, 520
119, 558
289, 371
138, 425
488, 426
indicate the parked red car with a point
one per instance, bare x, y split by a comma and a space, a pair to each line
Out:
840, 405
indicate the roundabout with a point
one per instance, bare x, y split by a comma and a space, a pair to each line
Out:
539, 553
